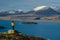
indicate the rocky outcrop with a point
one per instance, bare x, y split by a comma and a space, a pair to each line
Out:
18, 36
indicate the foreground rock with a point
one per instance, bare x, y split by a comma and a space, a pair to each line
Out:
15, 35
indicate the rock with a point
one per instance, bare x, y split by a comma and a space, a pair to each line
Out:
10, 31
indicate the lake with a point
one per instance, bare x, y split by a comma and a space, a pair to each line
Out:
49, 30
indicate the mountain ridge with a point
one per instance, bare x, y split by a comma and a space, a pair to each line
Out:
40, 10
44, 10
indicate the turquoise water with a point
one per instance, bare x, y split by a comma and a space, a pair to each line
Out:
49, 30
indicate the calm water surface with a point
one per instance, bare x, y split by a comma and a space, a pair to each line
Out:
50, 30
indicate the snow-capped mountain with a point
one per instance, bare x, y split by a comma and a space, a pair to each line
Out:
15, 11
44, 10
18, 11
10, 12
40, 8
57, 8
3, 13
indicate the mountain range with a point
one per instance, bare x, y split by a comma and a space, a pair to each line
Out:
41, 10
10, 12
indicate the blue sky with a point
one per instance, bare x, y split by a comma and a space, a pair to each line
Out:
26, 5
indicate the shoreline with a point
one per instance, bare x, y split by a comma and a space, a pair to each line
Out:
36, 20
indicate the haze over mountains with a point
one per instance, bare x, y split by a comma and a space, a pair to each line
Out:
41, 10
